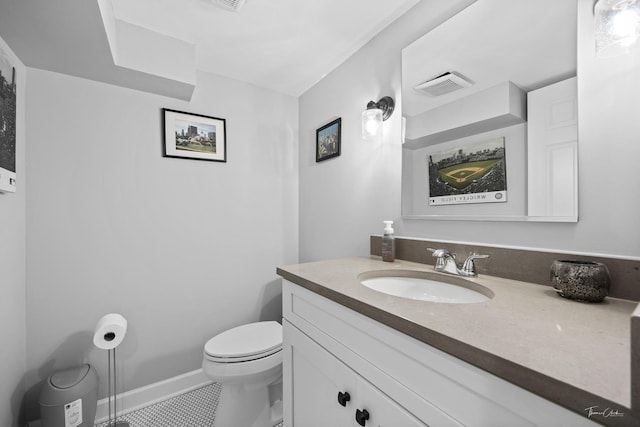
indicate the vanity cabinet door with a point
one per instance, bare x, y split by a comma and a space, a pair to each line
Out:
314, 381
325, 392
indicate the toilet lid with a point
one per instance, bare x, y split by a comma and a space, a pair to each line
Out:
253, 339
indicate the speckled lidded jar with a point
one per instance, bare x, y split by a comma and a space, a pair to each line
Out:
580, 280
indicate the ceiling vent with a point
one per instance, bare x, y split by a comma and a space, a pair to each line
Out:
443, 84
234, 5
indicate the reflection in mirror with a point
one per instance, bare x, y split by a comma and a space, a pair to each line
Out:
489, 99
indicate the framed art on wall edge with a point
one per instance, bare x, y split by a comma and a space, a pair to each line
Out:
7, 125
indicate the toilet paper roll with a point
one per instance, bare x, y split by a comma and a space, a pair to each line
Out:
110, 331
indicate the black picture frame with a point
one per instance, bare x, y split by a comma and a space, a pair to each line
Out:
194, 136
8, 108
328, 140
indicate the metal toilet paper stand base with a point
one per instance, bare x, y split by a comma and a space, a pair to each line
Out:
112, 374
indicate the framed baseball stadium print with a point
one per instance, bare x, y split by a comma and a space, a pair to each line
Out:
473, 173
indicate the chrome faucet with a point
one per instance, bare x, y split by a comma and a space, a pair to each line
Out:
446, 262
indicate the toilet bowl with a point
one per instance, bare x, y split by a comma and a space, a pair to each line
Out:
247, 362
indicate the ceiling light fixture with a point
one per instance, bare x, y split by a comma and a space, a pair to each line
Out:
617, 26
374, 115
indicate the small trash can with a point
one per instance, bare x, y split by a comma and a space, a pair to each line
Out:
69, 398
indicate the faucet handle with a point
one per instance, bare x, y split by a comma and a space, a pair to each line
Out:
440, 253
469, 267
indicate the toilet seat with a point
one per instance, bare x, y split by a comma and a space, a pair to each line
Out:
247, 362
245, 343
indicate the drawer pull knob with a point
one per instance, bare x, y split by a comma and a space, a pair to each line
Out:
362, 416
343, 398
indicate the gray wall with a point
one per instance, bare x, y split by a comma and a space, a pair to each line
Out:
12, 271
184, 249
346, 200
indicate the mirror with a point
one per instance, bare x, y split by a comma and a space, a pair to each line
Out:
489, 101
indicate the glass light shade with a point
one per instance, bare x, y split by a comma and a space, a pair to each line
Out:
617, 26
371, 124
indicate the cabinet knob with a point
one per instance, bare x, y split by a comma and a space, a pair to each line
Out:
343, 398
362, 416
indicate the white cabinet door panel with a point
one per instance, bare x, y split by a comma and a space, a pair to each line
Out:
317, 379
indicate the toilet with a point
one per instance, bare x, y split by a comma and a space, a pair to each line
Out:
247, 362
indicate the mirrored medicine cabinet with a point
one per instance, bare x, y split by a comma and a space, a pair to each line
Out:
497, 74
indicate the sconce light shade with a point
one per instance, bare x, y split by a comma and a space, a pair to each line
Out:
371, 123
617, 26
374, 115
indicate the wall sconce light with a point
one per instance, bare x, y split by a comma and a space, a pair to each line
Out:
617, 26
374, 115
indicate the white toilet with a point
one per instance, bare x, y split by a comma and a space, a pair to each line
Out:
247, 362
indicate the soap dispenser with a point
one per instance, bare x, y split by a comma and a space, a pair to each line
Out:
388, 243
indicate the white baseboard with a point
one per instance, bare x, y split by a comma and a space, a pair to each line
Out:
133, 400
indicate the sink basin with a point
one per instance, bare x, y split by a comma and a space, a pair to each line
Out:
425, 286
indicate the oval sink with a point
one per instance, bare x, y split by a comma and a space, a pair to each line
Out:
425, 286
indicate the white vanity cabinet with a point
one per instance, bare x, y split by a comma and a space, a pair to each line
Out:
330, 351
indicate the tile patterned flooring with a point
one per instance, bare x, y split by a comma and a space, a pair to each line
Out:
192, 409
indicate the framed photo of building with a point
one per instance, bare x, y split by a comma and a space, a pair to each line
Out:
7, 124
328, 140
194, 136
473, 173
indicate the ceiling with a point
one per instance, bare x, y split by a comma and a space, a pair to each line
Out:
159, 46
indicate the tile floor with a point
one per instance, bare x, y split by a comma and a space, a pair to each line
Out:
193, 409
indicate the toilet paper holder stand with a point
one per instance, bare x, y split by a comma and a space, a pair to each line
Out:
106, 338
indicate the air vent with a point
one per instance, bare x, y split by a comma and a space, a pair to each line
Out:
443, 84
234, 5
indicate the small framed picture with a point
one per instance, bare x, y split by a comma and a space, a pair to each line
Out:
328, 140
194, 136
